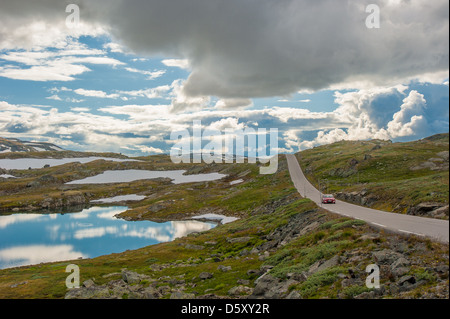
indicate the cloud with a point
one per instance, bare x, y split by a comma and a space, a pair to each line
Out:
382, 113
73, 100
385, 112
151, 74
61, 64
96, 93
410, 120
54, 97
80, 109
245, 49
234, 103
52, 71
149, 149
181, 101
114, 47
177, 63
150, 93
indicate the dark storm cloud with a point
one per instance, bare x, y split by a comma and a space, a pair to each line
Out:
258, 48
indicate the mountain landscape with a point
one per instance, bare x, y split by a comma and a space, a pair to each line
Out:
279, 245
225, 158
16, 145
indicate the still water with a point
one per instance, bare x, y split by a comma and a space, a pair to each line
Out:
32, 238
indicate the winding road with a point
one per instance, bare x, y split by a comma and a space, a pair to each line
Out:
433, 228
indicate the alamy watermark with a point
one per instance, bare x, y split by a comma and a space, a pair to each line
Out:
373, 19
73, 280
73, 19
373, 279
226, 147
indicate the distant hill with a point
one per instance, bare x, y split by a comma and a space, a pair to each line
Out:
8, 145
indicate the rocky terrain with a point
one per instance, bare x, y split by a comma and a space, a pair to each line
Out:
404, 273
281, 246
15, 145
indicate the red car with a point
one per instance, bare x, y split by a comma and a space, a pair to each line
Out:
328, 199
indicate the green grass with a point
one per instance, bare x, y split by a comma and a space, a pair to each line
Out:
385, 173
264, 203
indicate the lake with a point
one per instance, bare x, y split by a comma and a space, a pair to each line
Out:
25, 163
32, 238
131, 175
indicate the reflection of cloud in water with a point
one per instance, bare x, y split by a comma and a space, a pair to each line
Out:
18, 218
34, 254
147, 233
160, 232
167, 231
95, 232
53, 237
99, 212
182, 228
53, 231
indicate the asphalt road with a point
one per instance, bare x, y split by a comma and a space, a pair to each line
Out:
428, 227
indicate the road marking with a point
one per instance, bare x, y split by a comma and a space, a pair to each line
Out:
410, 232
379, 225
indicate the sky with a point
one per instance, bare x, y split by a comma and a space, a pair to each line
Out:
128, 73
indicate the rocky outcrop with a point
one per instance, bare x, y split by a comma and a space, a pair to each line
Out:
362, 198
268, 286
439, 163
132, 285
64, 201
429, 209
297, 226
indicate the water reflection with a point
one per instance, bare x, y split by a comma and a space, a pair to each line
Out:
34, 254
33, 238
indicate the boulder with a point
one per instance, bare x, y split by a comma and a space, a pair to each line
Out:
131, 277
224, 268
400, 262
240, 291
405, 280
181, 295
93, 292
280, 290
332, 262
88, 283
440, 212
400, 267
322, 265
264, 283
205, 275
386, 256
294, 295
428, 209
444, 155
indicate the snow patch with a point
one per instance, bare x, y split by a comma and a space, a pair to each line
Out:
238, 181
122, 198
7, 176
221, 218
